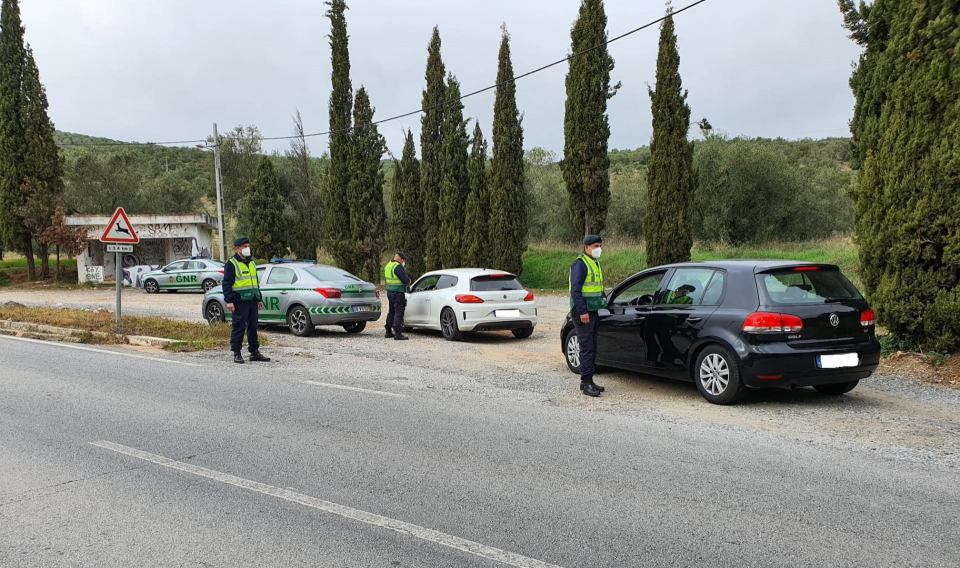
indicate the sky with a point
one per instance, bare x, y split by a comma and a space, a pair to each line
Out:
166, 70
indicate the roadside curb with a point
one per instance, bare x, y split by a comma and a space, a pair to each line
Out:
71, 335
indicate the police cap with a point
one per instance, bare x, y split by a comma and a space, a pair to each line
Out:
591, 240
241, 241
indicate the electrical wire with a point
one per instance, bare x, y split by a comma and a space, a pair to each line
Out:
429, 108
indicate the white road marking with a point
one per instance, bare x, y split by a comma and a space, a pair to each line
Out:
106, 351
358, 389
402, 527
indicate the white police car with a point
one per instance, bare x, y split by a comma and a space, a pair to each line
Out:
192, 274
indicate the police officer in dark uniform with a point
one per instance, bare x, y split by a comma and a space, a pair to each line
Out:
397, 282
241, 292
586, 298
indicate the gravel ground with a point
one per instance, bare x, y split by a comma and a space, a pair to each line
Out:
887, 415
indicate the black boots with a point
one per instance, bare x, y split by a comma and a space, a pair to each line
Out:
257, 356
400, 337
238, 357
590, 389
389, 333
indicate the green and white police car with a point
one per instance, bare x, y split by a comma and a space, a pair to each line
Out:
193, 274
303, 295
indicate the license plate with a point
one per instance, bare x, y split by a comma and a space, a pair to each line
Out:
838, 361
361, 309
506, 313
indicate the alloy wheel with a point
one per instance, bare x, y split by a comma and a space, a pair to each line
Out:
209, 285
573, 350
214, 313
714, 374
151, 286
298, 321
447, 323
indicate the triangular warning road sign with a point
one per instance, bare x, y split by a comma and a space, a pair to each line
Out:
119, 229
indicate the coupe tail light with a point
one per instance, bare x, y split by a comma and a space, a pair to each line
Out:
221, 272
806, 269
328, 292
763, 322
868, 318
468, 299
529, 297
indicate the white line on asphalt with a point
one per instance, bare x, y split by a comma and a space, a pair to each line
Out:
358, 389
106, 351
402, 527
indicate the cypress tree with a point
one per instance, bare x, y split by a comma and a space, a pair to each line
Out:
455, 186
476, 233
406, 229
43, 171
508, 218
365, 193
13, 142
585, 125
431, 151
336, 208
670, 177
265, 213
906, 141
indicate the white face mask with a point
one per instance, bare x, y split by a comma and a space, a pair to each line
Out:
595, 253
246, 252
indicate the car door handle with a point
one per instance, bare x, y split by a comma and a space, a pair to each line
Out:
284, 293
639, 317
694, 320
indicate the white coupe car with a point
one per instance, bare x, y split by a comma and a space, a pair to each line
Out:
470, 299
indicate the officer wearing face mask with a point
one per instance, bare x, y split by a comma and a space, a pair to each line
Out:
241, 292
586, 298
397, 282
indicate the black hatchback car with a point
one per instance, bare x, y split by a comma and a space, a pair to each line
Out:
734, 325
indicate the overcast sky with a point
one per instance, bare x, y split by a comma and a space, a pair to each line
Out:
163, 70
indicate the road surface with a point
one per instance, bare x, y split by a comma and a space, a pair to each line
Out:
113, 457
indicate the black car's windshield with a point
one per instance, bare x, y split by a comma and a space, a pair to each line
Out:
494, 283
807, 286
329, 274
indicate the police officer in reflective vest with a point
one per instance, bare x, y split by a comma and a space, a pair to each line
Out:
586, 298
397, 281
241, 292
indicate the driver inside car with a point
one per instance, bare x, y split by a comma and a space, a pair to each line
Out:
681, 295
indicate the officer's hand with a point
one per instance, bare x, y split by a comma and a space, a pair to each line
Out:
259, 305
230, 307
585, 318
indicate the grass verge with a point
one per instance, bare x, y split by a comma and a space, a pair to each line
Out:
190, 336
13, 272
546, 266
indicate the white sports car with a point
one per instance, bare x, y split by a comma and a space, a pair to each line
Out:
470, 299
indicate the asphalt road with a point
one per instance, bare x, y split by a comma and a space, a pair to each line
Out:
111, 457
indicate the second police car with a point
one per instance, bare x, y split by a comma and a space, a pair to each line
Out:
189, 274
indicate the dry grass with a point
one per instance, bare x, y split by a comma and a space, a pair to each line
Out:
190, 336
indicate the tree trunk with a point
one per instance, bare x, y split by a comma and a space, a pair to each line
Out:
44, 252
586, 223
28, 253
59, 270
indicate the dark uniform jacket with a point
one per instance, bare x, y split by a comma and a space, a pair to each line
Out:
402, 275
229, 277
578, 275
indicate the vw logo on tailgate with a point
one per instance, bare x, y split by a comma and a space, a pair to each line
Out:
834, 320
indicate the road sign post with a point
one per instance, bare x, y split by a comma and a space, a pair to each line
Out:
120, 238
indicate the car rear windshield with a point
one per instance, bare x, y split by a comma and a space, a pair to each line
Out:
494, 283
329, 274
811, 286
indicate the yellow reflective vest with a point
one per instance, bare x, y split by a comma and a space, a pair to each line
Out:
592, 286
394, 284
245, 286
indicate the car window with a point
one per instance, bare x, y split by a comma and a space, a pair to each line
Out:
495, 283
329, 273
426, 283
640, 292
175, 266
687, 286
714, 290
195, 265
447, 281
260, 270
282, 276
811, 286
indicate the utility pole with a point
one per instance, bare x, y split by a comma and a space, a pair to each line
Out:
220, 220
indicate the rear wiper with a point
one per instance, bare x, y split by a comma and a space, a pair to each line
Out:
835, 300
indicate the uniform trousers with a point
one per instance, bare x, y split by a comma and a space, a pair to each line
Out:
587, 335
245, 320
398, 305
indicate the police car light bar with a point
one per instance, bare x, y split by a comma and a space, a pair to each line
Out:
286, 260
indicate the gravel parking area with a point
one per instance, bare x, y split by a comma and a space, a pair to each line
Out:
886, 415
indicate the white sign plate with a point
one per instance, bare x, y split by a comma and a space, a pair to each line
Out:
119, 248
120, 229
94, 274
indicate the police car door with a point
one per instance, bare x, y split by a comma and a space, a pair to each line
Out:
172, 274
280, 288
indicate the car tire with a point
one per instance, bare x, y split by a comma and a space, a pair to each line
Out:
355, 327
172, 291
299, 322
571, 350
717, 376
151, 286
837, 389
214, 313
448, 325
208, 285
523, 333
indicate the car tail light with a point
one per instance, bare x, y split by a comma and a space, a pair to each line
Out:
468, 299
763, 322
377, 290
868, 318
529, 297
221, 272
328, 292
806, 269
498, 276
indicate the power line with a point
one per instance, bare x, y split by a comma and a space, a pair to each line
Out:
438, 105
